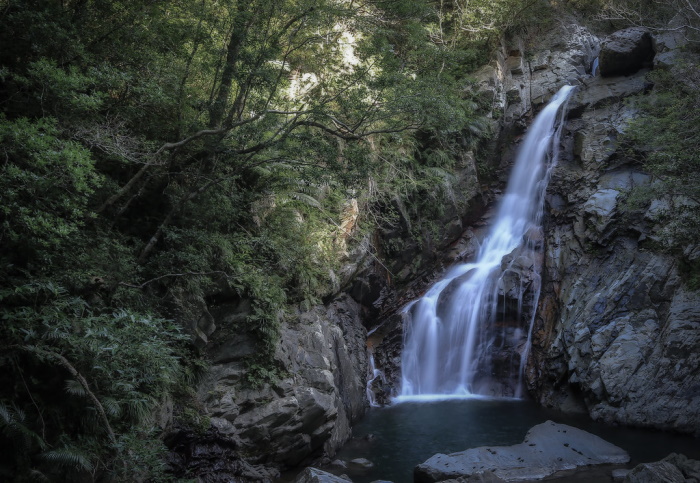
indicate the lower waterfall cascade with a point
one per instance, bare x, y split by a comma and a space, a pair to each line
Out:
452, 333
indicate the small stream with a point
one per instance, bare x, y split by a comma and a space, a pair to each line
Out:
399, 437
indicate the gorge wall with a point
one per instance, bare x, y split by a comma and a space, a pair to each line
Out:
617, 333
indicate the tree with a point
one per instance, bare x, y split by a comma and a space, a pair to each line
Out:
674, 15
154, 153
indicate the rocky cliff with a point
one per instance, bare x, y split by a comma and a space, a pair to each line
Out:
515, 86
618, 333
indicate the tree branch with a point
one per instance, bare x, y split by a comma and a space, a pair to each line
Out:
62, 361
168, 275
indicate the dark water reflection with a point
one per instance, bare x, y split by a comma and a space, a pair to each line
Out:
398, 438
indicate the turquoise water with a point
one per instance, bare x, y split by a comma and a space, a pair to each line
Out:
399, 437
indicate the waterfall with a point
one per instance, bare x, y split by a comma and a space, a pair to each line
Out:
459, 334
375, 375
594, 68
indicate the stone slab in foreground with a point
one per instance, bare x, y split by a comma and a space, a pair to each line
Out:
548, 447
314, 475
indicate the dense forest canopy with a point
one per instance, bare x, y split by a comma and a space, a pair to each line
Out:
155, 153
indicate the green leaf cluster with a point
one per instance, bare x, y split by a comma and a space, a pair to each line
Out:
158, 157
664, 138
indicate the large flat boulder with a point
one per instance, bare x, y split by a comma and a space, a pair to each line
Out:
548, 447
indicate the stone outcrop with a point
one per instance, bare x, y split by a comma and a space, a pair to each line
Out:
518, 84
625, 52
304, 415
314, 475
547, 448
618, 333
674, 468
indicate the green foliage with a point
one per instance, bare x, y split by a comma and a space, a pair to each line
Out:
157, 156
131, 362
665, 139
44, 189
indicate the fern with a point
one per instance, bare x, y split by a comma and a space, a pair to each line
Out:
12, 425
68, 458
74, 388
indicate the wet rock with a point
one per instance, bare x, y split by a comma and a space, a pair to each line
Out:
616, 332
314, 475
673, 468
655, 472
620, 474
547, 448
625, 52
360, 464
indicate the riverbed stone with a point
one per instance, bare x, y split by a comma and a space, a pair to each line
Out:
673, 468
360, 464
548, 447
655, 472
314, 475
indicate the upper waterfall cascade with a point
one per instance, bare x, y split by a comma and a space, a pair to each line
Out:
456, 331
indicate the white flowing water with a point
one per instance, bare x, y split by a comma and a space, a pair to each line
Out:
449, 334
374, 375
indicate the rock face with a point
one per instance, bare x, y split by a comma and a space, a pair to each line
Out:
312, 409
302, 416
625, 52
617, 334
547, 448
516, 85
672, 469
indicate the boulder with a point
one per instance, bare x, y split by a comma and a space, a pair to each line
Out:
314, 475
673, 468
625, 52
548, 447
655, 472
361, 464
305, 414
